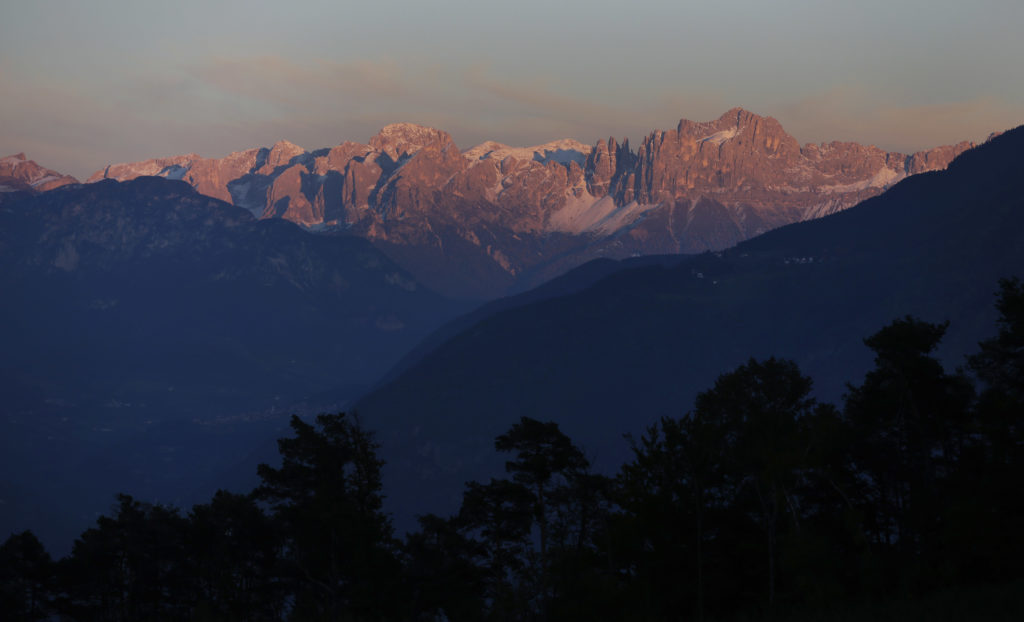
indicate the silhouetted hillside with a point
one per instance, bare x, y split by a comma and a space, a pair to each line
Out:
148, 330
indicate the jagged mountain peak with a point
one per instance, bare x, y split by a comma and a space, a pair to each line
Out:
405, 139
406, 129
286, 148
740, 116
731, 124
247, 158
282, 153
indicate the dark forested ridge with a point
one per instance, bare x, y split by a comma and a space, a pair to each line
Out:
759, 502
640, 343
148, 331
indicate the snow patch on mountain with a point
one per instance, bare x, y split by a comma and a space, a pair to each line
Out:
884, 178
175, 172
587, 214
622, 217
562, 151
580, 213
42, 180
720, 137
826, 207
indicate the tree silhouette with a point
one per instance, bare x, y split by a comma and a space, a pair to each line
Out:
701, 487
910, 423
1000, 366
539, 527
234, 559
26, 578
543, 454
996, 468
666, 494
327, 495
130, 566
445, 571
1000, 361
760, 407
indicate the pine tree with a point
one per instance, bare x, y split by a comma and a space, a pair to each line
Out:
339, 544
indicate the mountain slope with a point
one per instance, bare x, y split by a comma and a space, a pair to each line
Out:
497, 217
571, 282
149, 331
640, 343
17, 172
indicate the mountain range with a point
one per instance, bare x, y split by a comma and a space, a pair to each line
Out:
166, 317
618, 348
495, 218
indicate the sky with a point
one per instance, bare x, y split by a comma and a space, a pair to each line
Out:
84, 84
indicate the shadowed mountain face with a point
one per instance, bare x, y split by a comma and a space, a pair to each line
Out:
496, 218
640, 343
149, 331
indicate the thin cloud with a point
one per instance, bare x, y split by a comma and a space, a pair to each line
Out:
535, 94
279, 80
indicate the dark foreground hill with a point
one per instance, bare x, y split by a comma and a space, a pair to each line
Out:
639, 344
144, 325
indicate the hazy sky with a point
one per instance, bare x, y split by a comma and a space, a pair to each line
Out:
87, 83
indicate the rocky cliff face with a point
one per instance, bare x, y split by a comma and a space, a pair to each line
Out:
476, 222
17, 172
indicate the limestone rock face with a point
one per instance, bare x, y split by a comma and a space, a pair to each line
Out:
400, 140
937, 158
208, 176
17, 172
475, 223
